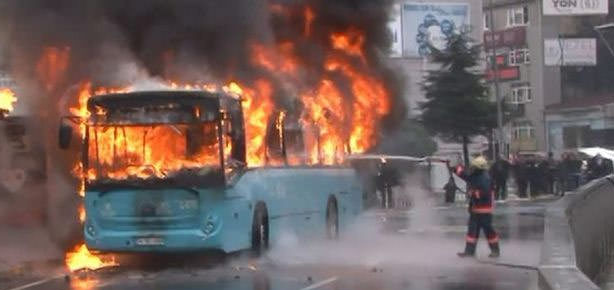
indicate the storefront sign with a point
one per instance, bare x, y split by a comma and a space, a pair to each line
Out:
570, 52
575, 7
505, 74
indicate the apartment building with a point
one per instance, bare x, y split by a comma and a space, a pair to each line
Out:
514, 31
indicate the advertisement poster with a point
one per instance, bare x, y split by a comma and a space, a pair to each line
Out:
575, 7
570, 52
431, 23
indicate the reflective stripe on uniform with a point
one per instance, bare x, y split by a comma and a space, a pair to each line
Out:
480, 209
493, 240
471, 240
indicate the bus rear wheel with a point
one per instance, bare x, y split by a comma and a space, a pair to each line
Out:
260, 230
332, 219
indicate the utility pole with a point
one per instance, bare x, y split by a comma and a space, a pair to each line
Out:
495, 69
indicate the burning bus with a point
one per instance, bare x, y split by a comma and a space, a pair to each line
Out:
167, 171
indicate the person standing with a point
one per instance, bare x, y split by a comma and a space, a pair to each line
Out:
575, 171
520, 174
534, 177
500, 173
481, 205
551, 173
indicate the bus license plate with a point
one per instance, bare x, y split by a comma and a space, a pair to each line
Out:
150, 242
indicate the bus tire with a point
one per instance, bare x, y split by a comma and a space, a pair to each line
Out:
260, 229
332, 219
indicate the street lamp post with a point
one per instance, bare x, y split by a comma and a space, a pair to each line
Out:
500, 137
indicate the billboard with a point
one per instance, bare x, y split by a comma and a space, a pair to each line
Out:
570, 52
575, 7
431, 23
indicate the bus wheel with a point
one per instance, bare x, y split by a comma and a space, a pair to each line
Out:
260, 229
332, 219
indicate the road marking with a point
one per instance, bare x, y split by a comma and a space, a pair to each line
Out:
509, 265
321, 283
37, 283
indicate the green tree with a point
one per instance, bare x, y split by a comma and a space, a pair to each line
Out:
457, 105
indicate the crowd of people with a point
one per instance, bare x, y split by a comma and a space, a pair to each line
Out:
537, 175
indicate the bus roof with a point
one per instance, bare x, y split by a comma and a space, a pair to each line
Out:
153, 98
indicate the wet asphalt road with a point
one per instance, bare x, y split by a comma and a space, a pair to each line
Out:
386, 250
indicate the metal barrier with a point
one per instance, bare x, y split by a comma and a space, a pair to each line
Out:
578, 233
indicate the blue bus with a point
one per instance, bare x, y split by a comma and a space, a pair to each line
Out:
166, 171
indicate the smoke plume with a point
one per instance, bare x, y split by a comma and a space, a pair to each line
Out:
114, 42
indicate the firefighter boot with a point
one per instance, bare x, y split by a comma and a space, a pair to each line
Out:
469, 251
494, 250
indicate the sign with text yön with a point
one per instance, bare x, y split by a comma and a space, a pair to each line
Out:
575, 7
570, 52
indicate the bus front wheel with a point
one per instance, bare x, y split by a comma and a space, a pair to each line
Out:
332, 219
260, 229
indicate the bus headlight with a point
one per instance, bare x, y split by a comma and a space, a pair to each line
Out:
210, 225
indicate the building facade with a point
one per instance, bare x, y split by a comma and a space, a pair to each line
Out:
514, 30
584, 117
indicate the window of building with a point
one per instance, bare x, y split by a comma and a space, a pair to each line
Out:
486, 21
526, 131
519, 56
521, 95
518, 16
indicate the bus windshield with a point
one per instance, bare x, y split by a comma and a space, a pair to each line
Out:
119, 153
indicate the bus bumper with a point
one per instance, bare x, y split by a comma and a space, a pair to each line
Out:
183, 240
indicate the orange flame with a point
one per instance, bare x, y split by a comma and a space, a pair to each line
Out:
81, 214
371, 103
81, 258
324, 108
257, 106
7, 99
351, 42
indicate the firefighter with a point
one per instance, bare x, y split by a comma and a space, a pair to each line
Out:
481, 195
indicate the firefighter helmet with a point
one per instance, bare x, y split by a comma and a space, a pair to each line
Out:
479, 163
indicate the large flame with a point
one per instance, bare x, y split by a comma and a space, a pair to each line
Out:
81, 258
7, 99
337, 112
257, 107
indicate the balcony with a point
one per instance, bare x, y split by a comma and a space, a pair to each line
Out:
523, 144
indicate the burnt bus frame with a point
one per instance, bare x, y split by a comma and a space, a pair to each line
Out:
112, 101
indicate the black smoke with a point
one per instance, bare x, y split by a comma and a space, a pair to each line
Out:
112, 41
